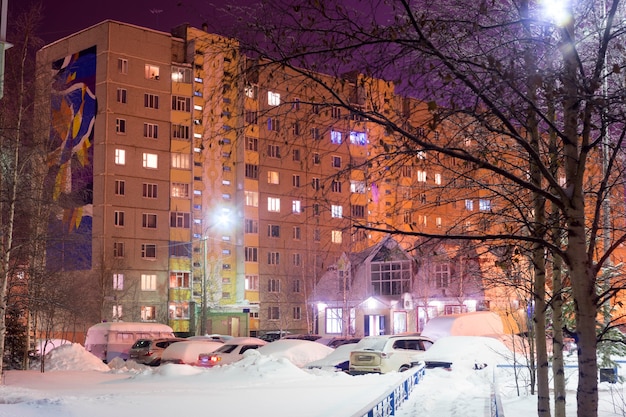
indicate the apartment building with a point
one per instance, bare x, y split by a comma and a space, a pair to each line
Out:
222, 188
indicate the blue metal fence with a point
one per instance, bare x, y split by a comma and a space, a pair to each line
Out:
387, 404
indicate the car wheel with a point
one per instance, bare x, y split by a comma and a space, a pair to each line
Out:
404, 368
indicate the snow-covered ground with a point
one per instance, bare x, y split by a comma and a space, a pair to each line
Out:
77, 384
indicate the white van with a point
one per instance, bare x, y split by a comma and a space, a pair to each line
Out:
111, 340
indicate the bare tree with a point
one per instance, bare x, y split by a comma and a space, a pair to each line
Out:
15, 144
487, 108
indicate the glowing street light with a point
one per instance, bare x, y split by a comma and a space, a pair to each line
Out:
556, 10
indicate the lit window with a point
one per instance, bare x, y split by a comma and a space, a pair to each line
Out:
181, 160
296, 206
148, 282
358, 187
469, 205
438, 179
336, 211
251, 91
120, 157
273, 204
148, 313
484, 205
118, 282
335, 137
358, 138
150, 160
152, 72
273, 99
438, 221
252, 282
179, 310
252, 198
180, 190
421, 176
181, 75
180, 279
336, 236
117, 311
272, 177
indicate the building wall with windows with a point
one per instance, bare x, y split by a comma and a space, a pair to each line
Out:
226, 187
131, 163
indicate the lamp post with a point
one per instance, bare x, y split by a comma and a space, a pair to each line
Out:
203, 302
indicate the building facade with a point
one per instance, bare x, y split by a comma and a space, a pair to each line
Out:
215, 189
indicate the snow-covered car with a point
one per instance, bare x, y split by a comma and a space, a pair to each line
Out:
333, 342
231, 351
337, 360
186, 352
382, 354
297, 351
148, 351
471, 352
216, 337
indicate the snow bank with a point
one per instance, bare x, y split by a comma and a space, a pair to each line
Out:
73, 357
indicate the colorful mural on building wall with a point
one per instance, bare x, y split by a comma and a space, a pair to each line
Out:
70, 161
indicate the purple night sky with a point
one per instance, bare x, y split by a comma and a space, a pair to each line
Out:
64, 17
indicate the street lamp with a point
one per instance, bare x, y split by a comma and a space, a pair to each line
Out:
220, 220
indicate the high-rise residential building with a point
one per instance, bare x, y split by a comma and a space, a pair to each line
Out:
210, 190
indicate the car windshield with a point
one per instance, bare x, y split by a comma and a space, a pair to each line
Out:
371, 343
226, 349
141, 344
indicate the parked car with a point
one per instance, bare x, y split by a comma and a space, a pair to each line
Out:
148, 351
470, 352
187, 351
230, 352
218, 337
274, 335
298, 352
334, 342
382, 354
338, 360
311, 337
